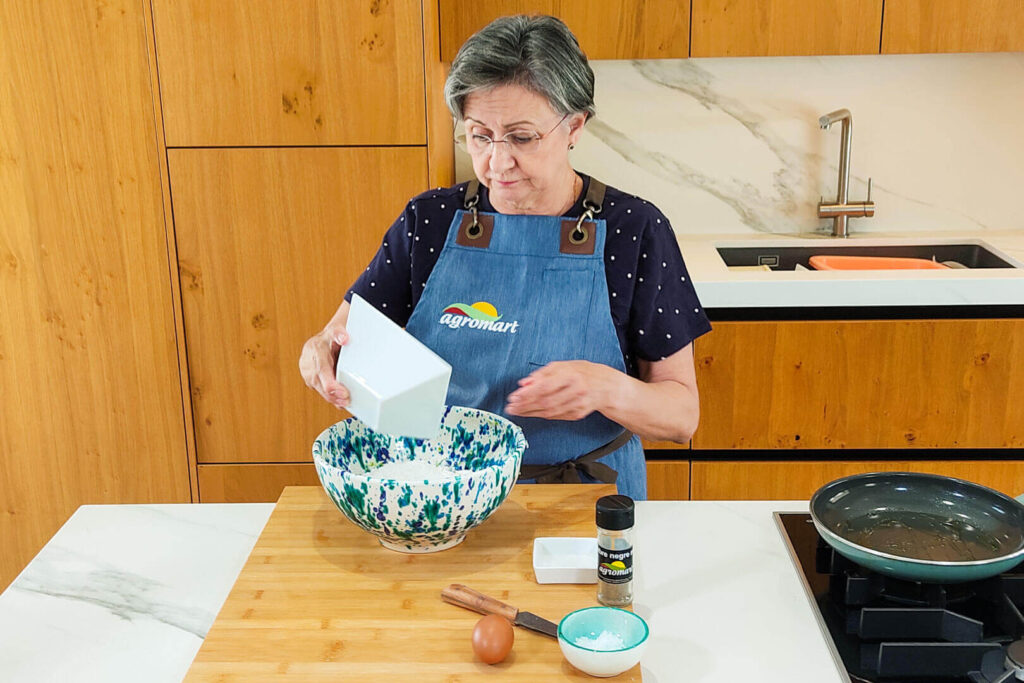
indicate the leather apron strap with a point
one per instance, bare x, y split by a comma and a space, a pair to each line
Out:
472, 189
568, 472
594, 201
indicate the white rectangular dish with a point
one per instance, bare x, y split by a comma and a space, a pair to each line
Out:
565, 560
397, 384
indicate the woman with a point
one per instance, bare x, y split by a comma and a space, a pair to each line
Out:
593, 313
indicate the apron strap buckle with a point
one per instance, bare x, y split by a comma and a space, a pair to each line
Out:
580, 234
473, 230
472, 194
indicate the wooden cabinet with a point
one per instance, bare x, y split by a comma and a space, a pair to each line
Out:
754, 480
253, 483
763, 28
862, 384
661, 29
269, 240
953, 26
301, 72
664, 445
90, 398
606, 29
668, 479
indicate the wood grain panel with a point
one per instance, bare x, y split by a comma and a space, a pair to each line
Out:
953, 26
319, 600
766, 28
440, 129
862, 384
235, 72
172, 257
758, 480
89, 387
668, 479
606, 29
269, 240
664, 445
252, 483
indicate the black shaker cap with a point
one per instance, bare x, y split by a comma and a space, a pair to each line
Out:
615, 512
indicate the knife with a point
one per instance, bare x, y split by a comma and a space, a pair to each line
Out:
460, 595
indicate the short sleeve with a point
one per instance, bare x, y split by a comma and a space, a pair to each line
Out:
665, 314
385, 282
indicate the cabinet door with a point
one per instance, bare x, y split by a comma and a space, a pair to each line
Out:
953, 26
90, 395
235, 72
269, 240
606, 29
668, 480
789, 480
862, 384
766, 28
252, 483
664, 445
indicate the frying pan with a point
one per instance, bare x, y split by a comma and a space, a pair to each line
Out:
920, 527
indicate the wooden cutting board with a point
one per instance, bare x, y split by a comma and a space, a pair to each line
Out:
319, 599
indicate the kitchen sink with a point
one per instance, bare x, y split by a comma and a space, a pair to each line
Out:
782, 256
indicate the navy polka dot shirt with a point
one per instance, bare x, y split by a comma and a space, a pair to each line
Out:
653, 303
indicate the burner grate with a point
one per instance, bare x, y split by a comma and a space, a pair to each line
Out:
914, 660
919, 623
889, 630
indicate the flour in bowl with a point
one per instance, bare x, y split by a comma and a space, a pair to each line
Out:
414, 470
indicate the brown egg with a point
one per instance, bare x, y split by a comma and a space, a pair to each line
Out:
492, 638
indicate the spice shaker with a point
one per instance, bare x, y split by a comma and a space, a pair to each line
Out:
615, 550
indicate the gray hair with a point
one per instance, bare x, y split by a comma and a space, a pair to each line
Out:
539, 53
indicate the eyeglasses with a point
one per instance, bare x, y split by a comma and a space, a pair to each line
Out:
518, 141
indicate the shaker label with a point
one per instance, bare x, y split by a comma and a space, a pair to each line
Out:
615, 566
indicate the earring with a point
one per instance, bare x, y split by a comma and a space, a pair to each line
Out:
572, 147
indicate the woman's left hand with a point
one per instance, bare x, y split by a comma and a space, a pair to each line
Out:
563, 390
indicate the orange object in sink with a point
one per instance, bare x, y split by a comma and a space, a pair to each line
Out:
833, 262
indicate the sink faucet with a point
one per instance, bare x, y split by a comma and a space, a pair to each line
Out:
842, 209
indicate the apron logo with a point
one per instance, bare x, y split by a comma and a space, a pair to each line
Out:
479, 316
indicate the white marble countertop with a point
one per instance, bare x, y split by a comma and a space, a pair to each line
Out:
126, 593
723, 597
719, 287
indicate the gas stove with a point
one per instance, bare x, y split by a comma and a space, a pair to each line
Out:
885, 630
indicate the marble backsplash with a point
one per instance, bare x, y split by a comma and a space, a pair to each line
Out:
733, 146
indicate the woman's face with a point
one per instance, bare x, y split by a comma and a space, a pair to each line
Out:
538, 181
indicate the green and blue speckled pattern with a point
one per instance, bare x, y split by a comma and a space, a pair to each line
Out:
421, 516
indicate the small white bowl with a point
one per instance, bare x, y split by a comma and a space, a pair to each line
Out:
592, 622
397, 385
565, 560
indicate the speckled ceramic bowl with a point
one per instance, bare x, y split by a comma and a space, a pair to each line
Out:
421, 516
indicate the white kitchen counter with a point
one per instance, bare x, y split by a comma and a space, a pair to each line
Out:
719, 287
723, 597
126, 593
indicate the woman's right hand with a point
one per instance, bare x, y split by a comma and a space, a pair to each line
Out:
319, 359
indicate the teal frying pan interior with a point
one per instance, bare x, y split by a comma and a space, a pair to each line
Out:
921, 527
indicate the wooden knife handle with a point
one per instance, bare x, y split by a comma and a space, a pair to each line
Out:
460, 595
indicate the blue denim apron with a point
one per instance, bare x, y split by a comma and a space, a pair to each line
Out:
510, 294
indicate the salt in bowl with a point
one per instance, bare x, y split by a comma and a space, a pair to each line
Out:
602, 641
482, 450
